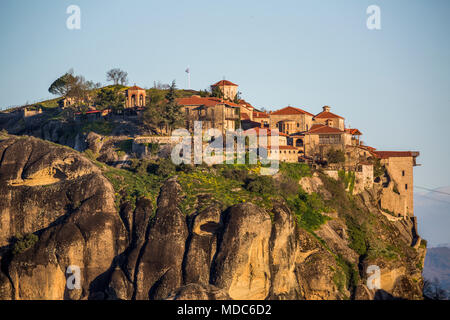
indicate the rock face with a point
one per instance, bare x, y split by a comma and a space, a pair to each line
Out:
139, 251
64, 199
242, 263
160, 268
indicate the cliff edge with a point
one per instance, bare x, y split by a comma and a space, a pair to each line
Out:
59, 212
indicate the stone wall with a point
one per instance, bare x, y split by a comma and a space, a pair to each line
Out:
302, 122
363, 178
400, 170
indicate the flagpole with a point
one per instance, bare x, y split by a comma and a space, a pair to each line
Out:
188, 71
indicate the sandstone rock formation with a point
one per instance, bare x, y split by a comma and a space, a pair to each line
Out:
64, 199
138, 251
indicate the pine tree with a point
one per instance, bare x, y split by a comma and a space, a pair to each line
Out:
172, 112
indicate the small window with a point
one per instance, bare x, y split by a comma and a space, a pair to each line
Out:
298, 125
406, 187
403, 173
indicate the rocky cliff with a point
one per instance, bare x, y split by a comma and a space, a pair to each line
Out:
57, 209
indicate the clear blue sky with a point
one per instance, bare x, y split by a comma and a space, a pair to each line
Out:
392, 84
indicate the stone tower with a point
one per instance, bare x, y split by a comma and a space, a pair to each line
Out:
228, 88
135, 97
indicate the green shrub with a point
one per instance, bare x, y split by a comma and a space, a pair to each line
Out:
378, 169
24, 242
101, 127
153, 148
186, 168
357, 235
134, 183
165, 168
423, 243
350, 273
126, 145
288, 187
335, 156
308, 210
236, 174
141, 167
348, 179
295, 170
90, 154
261, 184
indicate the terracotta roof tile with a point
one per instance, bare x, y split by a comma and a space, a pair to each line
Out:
259, 114
327, 115
266, 131
291, 110
199, 101
248, 105
321, 128
391, 154
224, 83
354, 132
135, 87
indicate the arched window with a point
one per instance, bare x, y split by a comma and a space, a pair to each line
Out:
141, 100
299, 143
133, 100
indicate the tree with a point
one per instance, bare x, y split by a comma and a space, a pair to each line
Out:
80, 90
237, 97
110, 98
117, 76
63, 85
163, 112
433, 290
172, 114
153, 114
73, 87
335, 156
216, 92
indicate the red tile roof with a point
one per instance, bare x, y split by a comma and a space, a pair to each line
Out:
321, 128
266, 131
224, 83
89, 112
258, 114
391, 154
199, 101
248, 105
290, 110
371, 149
327, 115
354, 132
281, 148
135, 87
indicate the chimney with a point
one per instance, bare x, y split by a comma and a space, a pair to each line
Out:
326, 109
